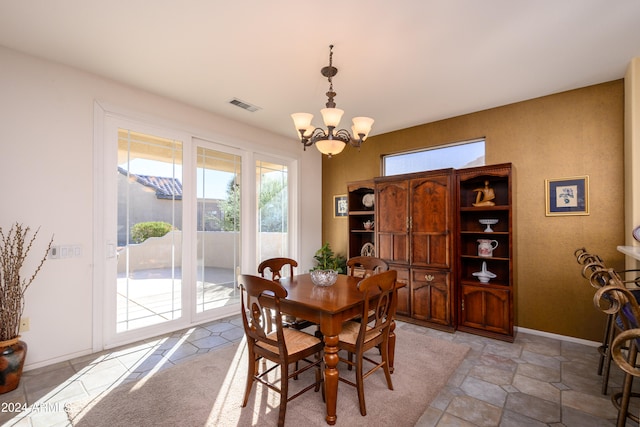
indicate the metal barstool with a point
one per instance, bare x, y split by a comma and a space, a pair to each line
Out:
624, 348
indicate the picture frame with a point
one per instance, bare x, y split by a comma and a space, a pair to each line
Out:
567, 196
340, 206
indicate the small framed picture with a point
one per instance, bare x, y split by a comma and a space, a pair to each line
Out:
340, 207
567, 196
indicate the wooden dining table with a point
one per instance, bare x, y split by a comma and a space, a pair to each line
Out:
329, 307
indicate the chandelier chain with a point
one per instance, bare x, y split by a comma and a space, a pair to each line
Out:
330, 77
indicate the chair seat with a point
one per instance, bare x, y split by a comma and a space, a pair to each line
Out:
349, 334
296, 341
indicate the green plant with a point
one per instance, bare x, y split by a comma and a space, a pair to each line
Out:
326, 259
143, 230
14, 248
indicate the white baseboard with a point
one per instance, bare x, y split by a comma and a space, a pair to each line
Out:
65, 358
558, 337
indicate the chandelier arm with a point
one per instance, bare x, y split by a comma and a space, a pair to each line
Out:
316, 135
343, 135
357, 141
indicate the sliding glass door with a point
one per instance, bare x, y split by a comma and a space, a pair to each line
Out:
175, 251
149, 230
218, 228
176, 218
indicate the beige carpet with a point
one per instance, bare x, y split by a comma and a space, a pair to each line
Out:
208, 391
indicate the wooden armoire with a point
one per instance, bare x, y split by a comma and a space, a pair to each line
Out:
414, 232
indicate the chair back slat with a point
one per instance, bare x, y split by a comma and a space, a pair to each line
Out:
258, 297
383, 305
369, 265
275, 266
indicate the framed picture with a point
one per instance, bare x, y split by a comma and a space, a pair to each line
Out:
340, 207
567, 196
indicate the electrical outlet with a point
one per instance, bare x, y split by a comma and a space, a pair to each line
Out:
24, 324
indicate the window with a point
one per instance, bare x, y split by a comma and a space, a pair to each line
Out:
273, 209
459, 155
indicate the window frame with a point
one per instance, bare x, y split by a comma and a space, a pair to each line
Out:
424, 151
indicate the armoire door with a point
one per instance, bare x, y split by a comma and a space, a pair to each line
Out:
392, 221
431, 221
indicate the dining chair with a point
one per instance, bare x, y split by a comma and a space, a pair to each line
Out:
618, 299
357, 338
276, 268
365, 266
283, 347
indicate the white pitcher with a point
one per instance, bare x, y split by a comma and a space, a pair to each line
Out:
486, 247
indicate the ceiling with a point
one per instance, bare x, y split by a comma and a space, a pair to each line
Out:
403, 63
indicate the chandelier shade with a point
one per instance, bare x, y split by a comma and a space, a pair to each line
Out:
330, 141
330, 146
331, 116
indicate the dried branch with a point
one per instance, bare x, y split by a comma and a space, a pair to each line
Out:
13, 253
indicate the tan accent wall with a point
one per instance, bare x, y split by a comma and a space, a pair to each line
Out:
578, 132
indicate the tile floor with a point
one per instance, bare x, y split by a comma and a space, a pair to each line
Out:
535, 381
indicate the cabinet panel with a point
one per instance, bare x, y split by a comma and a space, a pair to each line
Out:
430, 204
404, 293
393, 247
430, 299
431, 250
485, 308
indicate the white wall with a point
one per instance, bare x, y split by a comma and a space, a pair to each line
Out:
46, 170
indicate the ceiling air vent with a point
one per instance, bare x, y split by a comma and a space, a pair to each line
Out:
244, 105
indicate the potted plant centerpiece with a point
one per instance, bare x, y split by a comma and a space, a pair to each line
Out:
329, 265
14, 248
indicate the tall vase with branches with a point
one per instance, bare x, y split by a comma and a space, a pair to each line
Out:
14, 249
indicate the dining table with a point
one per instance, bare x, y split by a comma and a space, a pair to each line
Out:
329, 307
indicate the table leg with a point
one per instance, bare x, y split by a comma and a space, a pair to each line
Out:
331, 376
392, 345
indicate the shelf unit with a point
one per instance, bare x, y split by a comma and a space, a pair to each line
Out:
485, 308
358, 215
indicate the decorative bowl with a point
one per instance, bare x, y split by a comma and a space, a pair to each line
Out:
324, 277
488, 222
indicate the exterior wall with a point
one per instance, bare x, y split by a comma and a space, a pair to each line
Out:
155, 252
143, 206
579, 132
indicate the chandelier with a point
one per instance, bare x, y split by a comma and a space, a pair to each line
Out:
331, 141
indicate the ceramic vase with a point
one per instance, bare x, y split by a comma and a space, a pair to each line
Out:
13, 352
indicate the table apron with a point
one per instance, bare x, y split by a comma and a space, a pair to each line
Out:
330, 323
